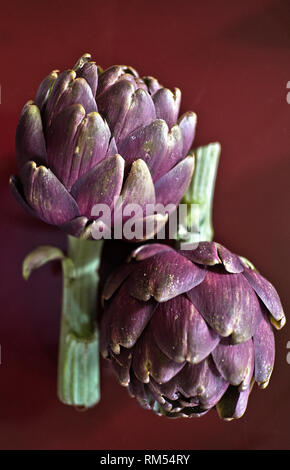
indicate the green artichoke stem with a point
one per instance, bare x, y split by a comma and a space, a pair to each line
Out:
78, 366
200, 193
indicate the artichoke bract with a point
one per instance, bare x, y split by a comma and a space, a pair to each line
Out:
187, 331
91, 136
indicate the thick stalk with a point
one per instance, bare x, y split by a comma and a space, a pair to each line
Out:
199, 196
78, 367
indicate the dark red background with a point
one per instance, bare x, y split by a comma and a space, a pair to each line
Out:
231, 60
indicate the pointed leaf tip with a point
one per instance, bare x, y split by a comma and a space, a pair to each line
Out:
39, 257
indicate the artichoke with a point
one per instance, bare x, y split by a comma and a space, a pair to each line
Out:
91, 136
187, 331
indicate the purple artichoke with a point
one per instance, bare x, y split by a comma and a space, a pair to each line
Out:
187, 331
90, 136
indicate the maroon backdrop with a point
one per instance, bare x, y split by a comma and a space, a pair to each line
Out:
231, 60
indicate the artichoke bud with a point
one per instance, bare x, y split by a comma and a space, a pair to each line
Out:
188, 331
79, 125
